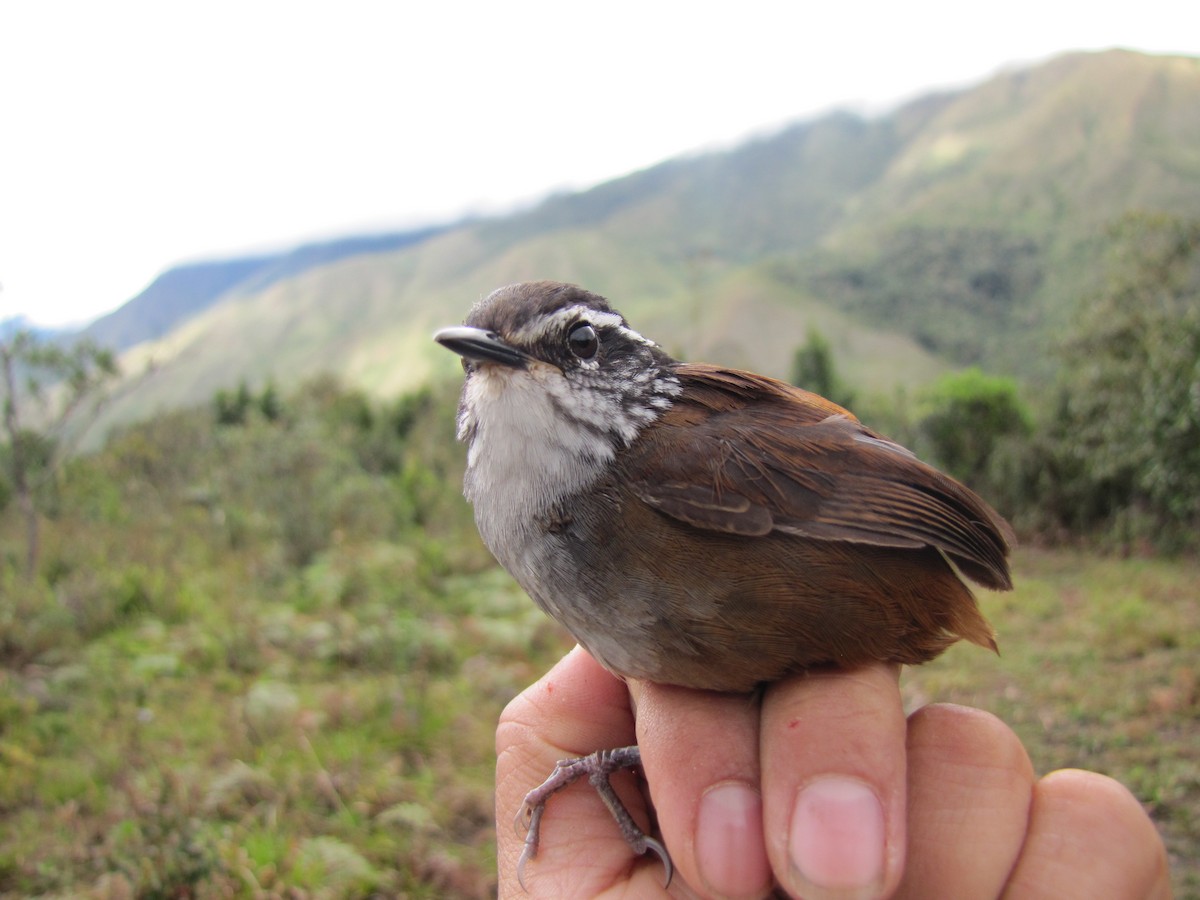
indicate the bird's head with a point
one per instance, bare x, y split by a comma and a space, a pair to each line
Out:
553, 363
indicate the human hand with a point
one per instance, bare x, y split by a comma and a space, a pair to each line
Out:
825, 789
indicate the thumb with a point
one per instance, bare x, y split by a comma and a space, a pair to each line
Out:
576, 708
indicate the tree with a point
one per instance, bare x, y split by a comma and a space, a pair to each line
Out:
50, 393
1130, 419
813, 370
970, 415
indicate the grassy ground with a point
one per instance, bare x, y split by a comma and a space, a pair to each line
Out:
265, 659
247, 747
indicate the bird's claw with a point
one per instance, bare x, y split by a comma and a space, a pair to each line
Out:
522, 819
532, 814
661, 852
597, 767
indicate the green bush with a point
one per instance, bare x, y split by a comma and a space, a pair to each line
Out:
1128, 425
969, 417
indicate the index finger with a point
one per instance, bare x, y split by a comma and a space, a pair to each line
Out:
833, 779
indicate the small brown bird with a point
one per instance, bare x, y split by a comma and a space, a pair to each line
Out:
702, 526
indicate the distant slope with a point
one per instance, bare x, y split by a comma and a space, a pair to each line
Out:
985, 228
958, 229
186, 290
171, 299
310, 256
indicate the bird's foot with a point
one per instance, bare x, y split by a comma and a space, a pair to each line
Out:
597, 767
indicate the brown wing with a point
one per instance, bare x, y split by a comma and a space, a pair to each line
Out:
748, 455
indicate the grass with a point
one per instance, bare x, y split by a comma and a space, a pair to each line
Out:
277, 750
321, 751
199, 698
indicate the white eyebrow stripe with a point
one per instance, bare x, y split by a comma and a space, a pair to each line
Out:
539, 328
603, 319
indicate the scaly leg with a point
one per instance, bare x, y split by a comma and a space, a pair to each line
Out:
597, 767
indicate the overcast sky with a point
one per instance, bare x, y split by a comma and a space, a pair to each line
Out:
136, 135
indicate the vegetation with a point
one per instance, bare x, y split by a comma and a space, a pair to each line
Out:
45, 389
973, 284
977, 427
1110, 450
813, 369
263, 655
1129, 417
259, 657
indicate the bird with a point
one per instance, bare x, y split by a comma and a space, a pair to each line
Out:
702, 526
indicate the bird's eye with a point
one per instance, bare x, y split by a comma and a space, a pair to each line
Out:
583, 341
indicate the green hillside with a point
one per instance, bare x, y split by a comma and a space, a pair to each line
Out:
985, 230
961, 228
182, 292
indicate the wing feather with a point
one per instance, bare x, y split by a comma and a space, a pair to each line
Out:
745, 454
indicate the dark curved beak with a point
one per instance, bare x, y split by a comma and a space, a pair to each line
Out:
479, 346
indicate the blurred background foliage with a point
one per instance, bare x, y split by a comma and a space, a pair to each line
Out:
263, 653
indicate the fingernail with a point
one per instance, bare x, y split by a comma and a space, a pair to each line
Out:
837, 839
729, 841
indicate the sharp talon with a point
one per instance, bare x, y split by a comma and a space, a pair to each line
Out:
531, 813
521, 870
521, 819
528, 852
661, 852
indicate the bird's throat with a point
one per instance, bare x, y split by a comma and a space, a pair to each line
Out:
526, 454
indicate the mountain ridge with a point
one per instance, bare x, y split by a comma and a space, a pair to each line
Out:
186, 290
957, 229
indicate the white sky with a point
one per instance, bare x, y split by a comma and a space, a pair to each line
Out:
135, 135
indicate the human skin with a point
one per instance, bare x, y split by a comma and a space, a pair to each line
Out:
824, 789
